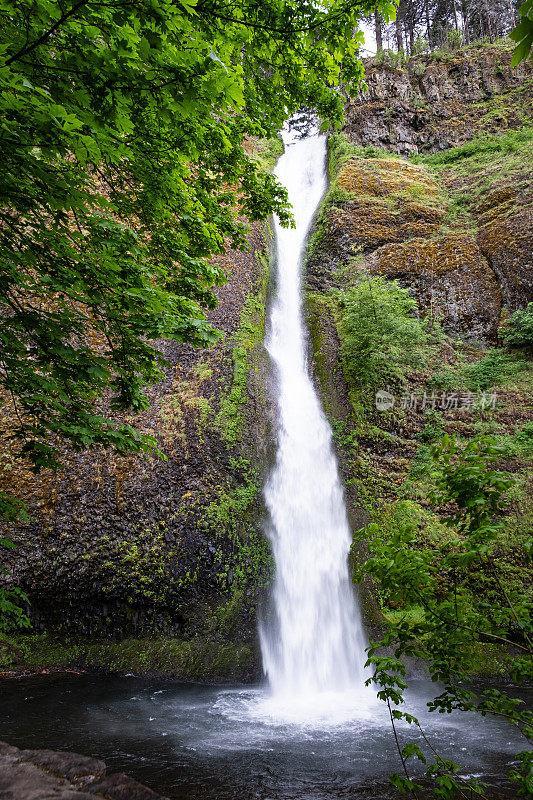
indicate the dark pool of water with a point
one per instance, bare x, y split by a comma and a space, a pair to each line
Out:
202, 742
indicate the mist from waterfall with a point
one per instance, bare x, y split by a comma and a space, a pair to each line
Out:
313, 642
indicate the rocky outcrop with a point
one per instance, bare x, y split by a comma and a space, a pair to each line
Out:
387, 217
438, 102
51, 775
450, 279
505, 237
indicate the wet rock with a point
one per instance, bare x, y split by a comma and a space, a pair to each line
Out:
72, 766
120, 787
51, 775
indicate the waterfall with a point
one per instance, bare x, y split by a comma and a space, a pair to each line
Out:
314, 641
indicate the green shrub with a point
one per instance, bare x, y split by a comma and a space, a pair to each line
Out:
421, 465
520, 330
340, 150
267, 151
454, 595
454, 40
492, 370
520, 443
496, 368
421, 45
432, 429
381, 335
388, 58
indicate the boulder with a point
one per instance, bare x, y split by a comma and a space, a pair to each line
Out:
58, 775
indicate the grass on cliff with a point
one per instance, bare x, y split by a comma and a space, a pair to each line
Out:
267, 151
483, 149
246, 340
495, 368
341, 150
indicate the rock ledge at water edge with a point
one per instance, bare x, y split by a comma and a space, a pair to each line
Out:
47, 774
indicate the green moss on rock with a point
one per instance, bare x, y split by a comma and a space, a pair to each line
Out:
187, 660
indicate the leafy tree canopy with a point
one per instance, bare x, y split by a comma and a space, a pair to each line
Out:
523, 34
124, 129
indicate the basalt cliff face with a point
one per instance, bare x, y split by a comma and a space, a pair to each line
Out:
440, 101
431, 186
118, 549
457, 227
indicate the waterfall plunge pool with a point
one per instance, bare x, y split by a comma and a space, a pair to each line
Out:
236, 743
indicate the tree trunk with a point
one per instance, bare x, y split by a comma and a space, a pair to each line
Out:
466, 22
411, 32
455, 16
379, 35
399, 34
428, 26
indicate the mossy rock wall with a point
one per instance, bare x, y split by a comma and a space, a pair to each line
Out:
454, 229
388, 216
148, 547
450, 279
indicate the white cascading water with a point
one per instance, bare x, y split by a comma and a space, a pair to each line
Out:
315, 643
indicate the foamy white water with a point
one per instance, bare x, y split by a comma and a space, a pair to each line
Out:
313, 648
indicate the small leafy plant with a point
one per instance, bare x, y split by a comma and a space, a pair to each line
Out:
520, 330
451, 621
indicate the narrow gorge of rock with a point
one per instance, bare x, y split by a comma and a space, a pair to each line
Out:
158, 567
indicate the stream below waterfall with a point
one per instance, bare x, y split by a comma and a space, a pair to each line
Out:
218, 743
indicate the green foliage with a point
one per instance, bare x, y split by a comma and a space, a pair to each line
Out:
519, 333
520, 443
341, 150
125, 168
12, 616
267, 151
523, 34
233, 514
421, 45
511, 142
390, 58
380, 335
493, 369
445, 621
198, 659
137, 567
432, 429
247, 338
454, 40
421, 464
496, 368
